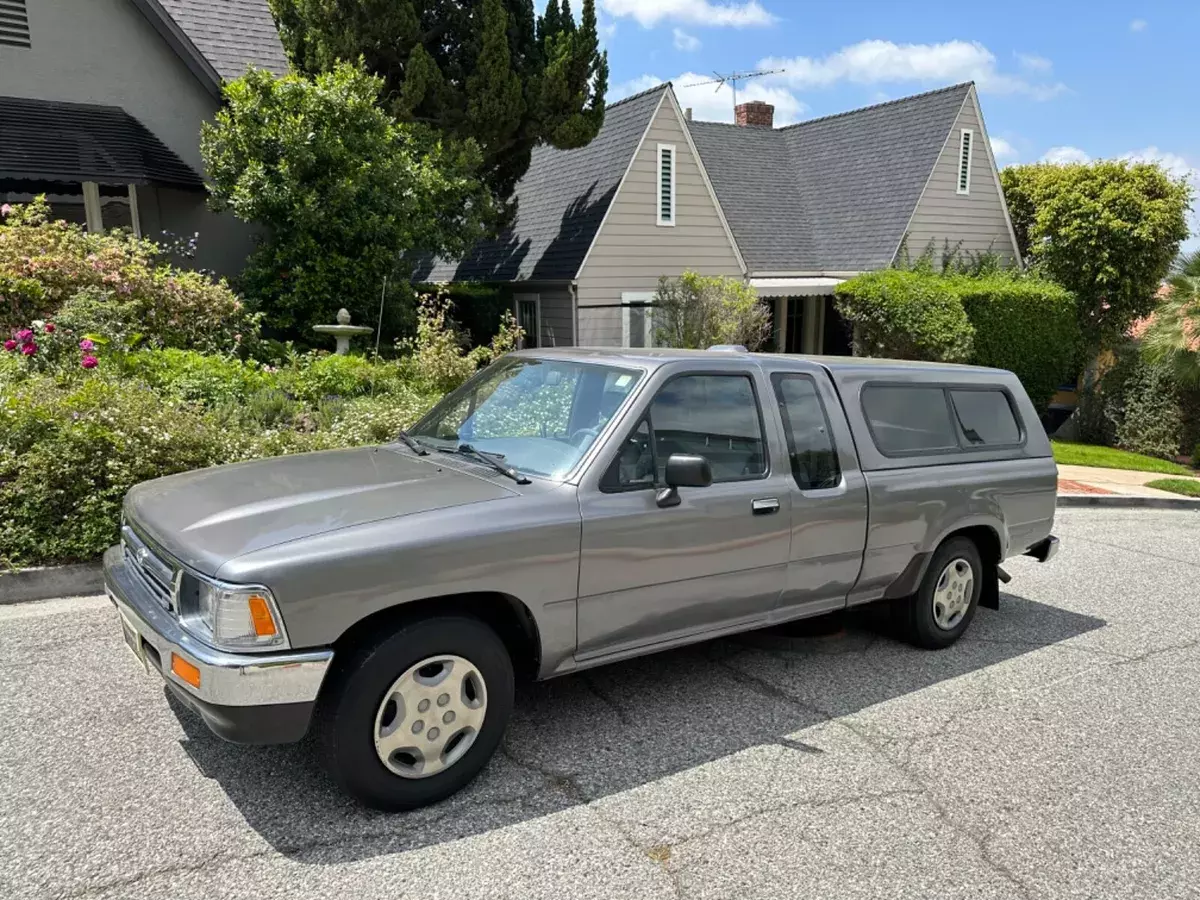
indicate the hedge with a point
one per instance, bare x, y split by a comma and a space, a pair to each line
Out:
1025, 325
906, 315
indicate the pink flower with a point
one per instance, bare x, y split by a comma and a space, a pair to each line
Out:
89, 362
5, 210
24, 335
87, 344
29, 349
48, 328
10, 345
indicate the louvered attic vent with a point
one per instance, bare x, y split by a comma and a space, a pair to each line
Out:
14, 23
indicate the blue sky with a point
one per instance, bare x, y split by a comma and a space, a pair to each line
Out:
1058, 79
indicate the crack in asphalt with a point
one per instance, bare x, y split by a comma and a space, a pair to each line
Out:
589, 682
1138, 552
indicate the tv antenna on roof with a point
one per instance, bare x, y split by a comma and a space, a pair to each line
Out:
732, 80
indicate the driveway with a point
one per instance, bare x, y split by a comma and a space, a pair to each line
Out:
1051, 753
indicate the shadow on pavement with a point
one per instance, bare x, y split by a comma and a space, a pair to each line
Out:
586, 736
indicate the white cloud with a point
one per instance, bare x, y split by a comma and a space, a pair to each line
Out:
1061, 156
878, 62
1138, 25
684, 41
649, 13
1031, 62
1176, 165
710, 104
1003, 150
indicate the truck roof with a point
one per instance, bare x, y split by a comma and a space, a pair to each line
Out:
652, 358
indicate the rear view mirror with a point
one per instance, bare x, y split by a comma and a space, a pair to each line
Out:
683, 470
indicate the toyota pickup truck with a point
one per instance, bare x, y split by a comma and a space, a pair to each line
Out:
564, 509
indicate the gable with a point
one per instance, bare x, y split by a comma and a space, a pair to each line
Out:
632, 249
231, 34
975, 221
561, 201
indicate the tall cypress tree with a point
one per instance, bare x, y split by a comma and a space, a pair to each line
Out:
487, 70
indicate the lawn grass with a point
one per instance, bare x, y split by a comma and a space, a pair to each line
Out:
1186, 486
1068, 453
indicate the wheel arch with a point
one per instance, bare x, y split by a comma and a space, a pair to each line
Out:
507, 615
984, 534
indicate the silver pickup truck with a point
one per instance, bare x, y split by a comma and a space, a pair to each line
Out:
564, 509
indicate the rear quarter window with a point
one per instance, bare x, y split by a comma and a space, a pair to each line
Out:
986, 417
908, 418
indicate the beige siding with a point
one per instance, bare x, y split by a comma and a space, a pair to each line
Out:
631, 251
977, 218
599, 326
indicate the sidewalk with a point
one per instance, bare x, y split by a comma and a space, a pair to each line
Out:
1090, 481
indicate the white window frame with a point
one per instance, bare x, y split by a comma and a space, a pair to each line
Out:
537, 314
658, 185
642, 299
961, 185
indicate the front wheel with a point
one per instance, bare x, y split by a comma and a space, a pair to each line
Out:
413, 717
943, 606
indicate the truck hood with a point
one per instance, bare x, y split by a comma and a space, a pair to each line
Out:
210, 516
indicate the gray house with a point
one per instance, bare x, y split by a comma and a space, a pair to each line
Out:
101, 103
793, 211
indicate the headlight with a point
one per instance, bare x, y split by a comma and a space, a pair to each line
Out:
231, 617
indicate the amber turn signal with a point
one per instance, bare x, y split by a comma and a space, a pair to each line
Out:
260, 615
185, 670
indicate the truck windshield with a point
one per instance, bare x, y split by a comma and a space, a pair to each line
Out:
539, 416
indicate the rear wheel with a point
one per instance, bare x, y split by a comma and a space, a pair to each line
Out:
413, 717
943, 606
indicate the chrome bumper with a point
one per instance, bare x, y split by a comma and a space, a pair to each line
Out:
226, 679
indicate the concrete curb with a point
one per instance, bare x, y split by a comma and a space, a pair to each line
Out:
1127, 501
48, 583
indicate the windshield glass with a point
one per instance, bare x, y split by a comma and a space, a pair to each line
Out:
539, 416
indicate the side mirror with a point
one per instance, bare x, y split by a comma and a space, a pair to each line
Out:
683, 470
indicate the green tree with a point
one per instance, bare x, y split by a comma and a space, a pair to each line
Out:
487, 70
698, 311
342, 188
1106, 231
1172, 338
906, 315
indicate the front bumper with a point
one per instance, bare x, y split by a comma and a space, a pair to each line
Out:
251, 698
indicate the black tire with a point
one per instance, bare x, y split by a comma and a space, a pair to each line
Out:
352, 696
917, 617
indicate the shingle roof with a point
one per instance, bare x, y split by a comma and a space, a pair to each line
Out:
42, 140
829, 194
231, 34
560, 204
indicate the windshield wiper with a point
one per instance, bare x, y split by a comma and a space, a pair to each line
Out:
494, 461
412, 443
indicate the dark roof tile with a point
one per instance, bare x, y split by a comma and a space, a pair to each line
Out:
231, 34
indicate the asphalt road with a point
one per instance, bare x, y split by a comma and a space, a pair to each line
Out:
1054, 752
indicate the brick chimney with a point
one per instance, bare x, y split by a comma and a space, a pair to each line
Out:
755, 113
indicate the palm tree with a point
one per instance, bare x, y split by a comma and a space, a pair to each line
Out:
1173, 336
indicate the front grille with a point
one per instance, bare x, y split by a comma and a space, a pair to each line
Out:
151, 572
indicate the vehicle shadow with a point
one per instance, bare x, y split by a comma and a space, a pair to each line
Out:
596, 733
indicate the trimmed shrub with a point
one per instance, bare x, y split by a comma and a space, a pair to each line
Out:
906, 315
1025, 325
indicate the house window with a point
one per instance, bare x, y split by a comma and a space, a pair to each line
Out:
529, 317
964, 161
666, 184
14, 23
637, 327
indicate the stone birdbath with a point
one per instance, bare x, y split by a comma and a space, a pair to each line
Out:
343, 331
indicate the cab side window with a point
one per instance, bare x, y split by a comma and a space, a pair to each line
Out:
810, 442
714, 416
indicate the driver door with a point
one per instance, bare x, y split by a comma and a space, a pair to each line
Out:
716, 561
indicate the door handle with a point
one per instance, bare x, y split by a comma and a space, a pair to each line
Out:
764, 506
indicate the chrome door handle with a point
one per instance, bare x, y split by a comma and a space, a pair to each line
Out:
764, 506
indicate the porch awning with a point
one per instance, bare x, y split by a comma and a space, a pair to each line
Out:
795, 287
45, 142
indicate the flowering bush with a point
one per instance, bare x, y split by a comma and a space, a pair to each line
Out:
437, 357
111, 283
45, 346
